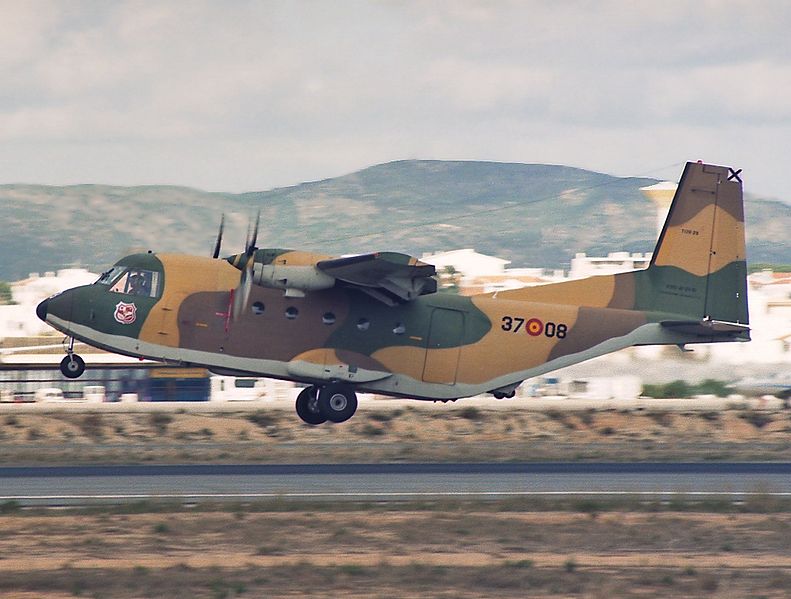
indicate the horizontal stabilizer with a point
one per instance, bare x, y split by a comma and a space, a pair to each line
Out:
710, 328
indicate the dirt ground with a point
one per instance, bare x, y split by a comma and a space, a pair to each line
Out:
441, 549
460, 434
460, 551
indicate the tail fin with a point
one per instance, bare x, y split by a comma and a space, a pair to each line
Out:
699, 268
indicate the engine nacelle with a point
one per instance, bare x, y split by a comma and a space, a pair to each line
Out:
302, 278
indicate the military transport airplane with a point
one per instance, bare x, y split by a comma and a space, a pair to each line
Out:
375, 322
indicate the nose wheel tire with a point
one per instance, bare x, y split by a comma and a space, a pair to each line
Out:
337, 403
72, 366
308, 406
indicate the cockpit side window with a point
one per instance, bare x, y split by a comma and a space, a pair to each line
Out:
138, 282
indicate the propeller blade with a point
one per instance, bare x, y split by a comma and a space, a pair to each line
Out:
251, 248
218, 245
242, 295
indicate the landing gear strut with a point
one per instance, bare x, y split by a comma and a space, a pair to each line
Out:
72, 366
333, 402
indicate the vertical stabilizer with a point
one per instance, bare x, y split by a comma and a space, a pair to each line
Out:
699, 269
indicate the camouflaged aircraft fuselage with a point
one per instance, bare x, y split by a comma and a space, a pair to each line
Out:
426, 345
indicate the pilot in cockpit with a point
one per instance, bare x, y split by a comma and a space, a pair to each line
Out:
139, 284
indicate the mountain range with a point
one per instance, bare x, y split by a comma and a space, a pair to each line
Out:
531, 214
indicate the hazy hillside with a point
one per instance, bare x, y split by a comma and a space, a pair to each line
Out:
534, 215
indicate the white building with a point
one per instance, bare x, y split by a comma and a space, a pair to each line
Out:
20, 320
512, 278
583, 266
468, 262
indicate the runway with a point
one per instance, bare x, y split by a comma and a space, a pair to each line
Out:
84, 485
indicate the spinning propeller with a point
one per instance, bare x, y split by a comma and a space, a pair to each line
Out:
244, 262
242, 292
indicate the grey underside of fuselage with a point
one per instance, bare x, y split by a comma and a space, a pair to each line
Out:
395, 384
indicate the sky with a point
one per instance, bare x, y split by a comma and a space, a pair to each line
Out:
239, 96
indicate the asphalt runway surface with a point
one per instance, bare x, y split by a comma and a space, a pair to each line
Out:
85, 485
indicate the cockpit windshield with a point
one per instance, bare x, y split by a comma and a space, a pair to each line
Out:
108, 276
131, 281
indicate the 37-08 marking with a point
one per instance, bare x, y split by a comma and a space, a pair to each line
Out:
534, 327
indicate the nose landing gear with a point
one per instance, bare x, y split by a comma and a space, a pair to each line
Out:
72, 366
333, 402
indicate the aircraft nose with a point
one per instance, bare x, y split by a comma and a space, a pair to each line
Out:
41, 310
59, 305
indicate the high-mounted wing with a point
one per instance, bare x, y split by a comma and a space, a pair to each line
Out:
390, 277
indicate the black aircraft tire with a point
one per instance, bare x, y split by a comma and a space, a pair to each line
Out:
307, 407
337, 402
72, 366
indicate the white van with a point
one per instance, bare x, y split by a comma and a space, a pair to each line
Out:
49, 394
93, 393
232, 388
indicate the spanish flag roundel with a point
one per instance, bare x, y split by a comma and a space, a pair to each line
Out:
534, 327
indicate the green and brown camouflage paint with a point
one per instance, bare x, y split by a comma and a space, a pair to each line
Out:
437, 346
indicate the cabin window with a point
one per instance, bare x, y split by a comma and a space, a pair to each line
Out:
258, 308
328, 318
139, 282
291, 312
363, 324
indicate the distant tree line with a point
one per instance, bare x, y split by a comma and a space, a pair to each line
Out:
759, 266
682, 389
6, 298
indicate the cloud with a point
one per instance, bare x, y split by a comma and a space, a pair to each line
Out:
476, 86
252, 94
745, 92
25, 29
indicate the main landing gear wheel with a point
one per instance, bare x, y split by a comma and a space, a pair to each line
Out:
308, 406
72, 366
337, 403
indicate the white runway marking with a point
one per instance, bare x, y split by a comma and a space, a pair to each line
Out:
398, 494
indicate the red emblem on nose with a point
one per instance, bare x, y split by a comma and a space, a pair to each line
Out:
125, 313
